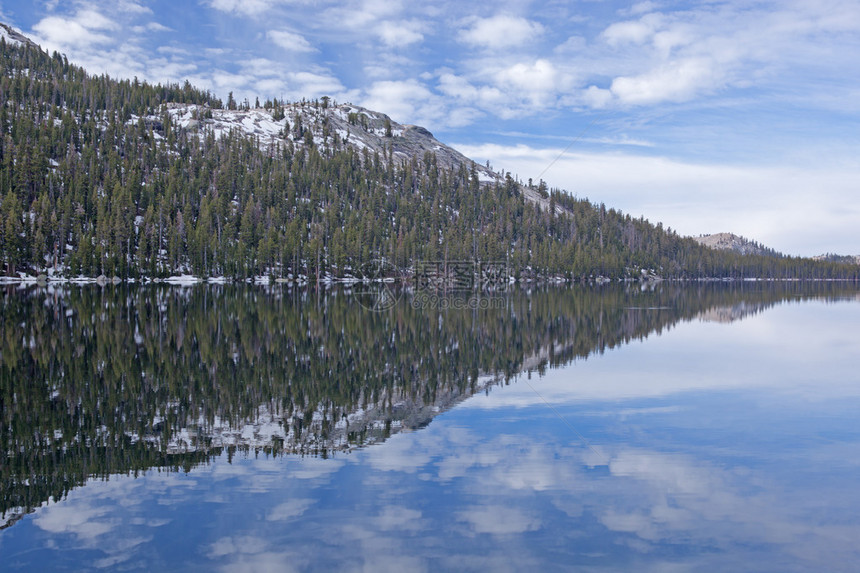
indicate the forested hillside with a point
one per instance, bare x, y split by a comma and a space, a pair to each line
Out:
100, 177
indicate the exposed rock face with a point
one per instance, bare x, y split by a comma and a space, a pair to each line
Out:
329, 125
732, 242
850, 259
9, 34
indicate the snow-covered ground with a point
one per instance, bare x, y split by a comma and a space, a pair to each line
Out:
12, 36
355, 126
182, 280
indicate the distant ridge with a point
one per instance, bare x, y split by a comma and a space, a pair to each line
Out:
735, 243
832, 258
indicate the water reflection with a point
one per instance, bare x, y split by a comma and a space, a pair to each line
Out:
117, 381
103, 381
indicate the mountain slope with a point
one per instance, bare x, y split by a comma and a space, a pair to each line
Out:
122, 178
13, 37
330, 126
735, 243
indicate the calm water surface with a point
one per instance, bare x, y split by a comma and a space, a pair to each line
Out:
699, 428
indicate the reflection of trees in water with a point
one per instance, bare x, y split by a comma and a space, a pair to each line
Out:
94, 382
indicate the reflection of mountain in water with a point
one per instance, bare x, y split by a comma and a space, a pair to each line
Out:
95, 382
733, 312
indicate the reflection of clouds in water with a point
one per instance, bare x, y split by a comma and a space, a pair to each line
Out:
394, 540
536, 467
709, 357
391, 564
312, 468
660, 499
663, 498
245, 559
98, 520
399, 518
380, 552
506, 460
117, 516
84, 522
289, 509
454, 491
498, 520
238, 544
404, 452
484, 489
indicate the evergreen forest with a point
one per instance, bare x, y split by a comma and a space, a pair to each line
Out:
97, 178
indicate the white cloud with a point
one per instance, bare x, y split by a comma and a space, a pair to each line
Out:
290, 41
536, 82
224, 81
133, 8
245, 7
83, 30
642, 8
633, 31
262, 67
572, 44
399, 34
462, 116
157, 27
596, 97
620, 140
116, 46
501, 31
459, 87
675, 81
406, 101
363, 17
683, 55
315, 84
508, 90
798, 209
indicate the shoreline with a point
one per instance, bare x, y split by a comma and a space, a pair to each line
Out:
303, 281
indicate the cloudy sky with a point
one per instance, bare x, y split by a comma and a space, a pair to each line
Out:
705, 115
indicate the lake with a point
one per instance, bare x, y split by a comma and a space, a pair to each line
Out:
697, 427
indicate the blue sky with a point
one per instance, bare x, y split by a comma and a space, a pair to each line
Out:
707, 116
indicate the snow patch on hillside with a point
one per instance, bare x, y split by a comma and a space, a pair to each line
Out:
12, 36
330, 127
